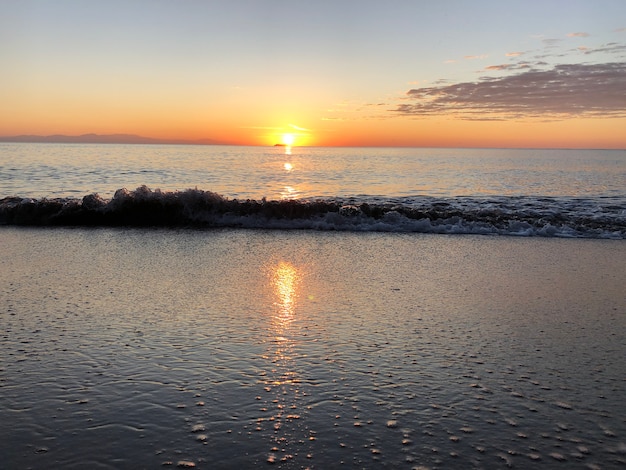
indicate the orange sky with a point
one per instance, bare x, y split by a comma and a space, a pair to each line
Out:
485, 75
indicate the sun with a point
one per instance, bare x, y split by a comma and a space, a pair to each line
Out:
288, 139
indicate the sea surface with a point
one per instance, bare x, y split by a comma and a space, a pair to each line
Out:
563, 193
180, 307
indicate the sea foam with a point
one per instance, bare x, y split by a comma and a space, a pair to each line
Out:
506, 215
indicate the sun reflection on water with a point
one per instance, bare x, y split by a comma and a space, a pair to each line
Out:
281, 413
289, 192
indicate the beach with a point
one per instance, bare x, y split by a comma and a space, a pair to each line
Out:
313, 235
223, 348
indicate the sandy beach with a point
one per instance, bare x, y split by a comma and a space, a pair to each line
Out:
142, 348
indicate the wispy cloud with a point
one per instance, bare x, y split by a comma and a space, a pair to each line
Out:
499, 67
298, 128
518, 66
472, 57
608, 48
513, 54
551, 42
565, 91
578, 35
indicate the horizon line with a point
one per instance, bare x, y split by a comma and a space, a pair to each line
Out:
134, 139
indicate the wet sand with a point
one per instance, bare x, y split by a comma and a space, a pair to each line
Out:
144, 348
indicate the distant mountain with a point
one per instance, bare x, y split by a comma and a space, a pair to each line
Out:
103, 139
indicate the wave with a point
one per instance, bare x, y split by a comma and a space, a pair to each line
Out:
143, 207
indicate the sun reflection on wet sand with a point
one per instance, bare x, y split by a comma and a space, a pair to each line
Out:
282, 382
285, 280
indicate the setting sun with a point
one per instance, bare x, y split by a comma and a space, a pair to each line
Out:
289, 139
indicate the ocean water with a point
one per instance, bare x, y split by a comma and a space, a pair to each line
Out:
564, 193
184, 322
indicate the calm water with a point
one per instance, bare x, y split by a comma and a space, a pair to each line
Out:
57, 170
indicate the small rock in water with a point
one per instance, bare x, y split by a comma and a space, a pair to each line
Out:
271, 458
392, 423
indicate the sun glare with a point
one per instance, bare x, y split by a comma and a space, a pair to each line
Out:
289, 139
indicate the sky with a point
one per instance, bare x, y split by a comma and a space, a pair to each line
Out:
532, 73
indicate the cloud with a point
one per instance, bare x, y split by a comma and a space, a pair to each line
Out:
293, 126
471, 57
513, 54
518, 66
578, 35
550, 42
609, 48
565, 91
499, 67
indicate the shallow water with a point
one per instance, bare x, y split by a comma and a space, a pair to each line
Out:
224, 348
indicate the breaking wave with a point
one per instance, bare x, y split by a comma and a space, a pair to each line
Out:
143, 207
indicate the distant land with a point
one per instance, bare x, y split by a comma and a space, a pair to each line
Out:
104, 139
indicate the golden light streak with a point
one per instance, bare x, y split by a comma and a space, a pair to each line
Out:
285, 280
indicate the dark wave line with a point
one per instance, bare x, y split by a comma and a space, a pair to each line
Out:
144, 207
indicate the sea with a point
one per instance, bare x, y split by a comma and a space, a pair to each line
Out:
168, 306
561, 193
